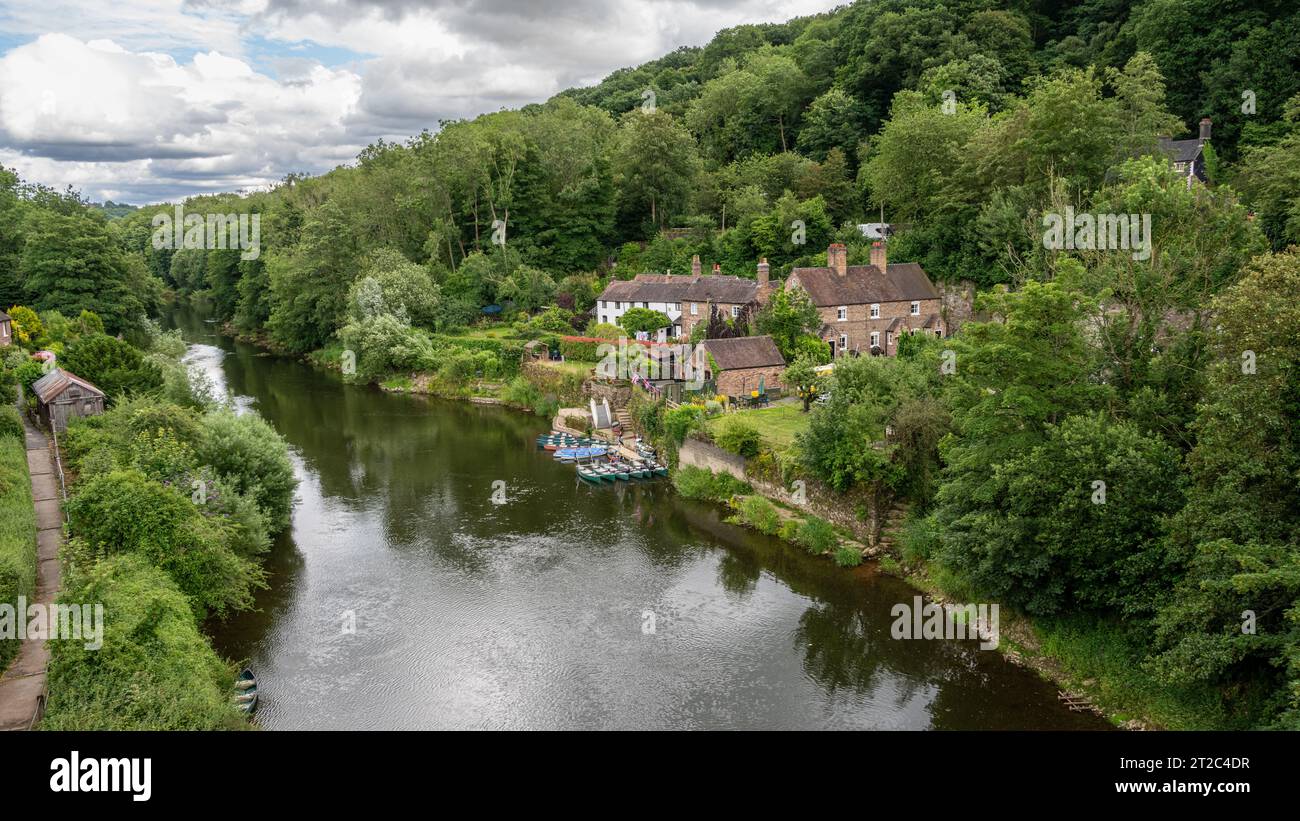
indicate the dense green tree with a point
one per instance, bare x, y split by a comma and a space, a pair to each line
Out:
1235, 619
71, 262
114, 366
786, 316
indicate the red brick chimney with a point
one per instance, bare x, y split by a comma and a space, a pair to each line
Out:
1205, 129
717, 269
695, 265
764, 270
837, 258
878, 257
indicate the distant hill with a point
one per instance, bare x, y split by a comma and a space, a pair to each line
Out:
115, 210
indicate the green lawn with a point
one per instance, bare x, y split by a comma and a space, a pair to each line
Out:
779, 424
571, 366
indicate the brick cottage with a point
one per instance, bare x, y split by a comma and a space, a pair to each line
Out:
866, 308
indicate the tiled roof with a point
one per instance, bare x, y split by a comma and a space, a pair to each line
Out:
673, 288
866, 285
50, 386
932, 321
1181, 150
744, 352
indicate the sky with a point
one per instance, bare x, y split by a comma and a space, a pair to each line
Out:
144, 101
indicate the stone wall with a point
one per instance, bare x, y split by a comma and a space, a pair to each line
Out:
711, 457
618, 393
817, 499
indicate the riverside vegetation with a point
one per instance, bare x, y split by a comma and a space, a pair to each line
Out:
173, 501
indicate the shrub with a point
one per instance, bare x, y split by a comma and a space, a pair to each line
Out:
699, 483
11, 424
17, 532
126, 512
919, 539
789, 530
818, 535
116, 367
583, 350
848, 557
155, 670
679, 422
739, 437
524, 394
760, 514
247, 452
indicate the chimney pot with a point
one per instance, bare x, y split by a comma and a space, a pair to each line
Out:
717, 268
878, 256
837, 258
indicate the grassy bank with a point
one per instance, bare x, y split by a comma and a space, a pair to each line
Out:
155, 671
17, 522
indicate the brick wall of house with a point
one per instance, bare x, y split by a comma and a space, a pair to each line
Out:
740, 382
859, 325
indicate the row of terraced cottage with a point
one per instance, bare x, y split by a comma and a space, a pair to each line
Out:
865, 310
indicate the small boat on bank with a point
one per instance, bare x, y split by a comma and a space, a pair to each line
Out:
589, 474
577, 454
245, 696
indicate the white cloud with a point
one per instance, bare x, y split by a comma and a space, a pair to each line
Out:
158, 128
156, 99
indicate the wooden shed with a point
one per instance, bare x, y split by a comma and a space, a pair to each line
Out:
61, 395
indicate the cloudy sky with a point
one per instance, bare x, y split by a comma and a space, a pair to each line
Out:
149, 100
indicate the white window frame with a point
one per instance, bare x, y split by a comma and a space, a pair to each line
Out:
844, 342
916, 309
695, 309
842, 313
735, 311
875, 310
875, 339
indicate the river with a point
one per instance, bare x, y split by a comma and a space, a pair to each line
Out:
404, 597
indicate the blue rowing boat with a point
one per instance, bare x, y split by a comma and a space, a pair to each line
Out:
573, 454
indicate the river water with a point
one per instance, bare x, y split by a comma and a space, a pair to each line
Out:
404, 597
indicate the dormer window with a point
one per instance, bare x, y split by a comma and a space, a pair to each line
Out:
842, 313
875, 311
916, 309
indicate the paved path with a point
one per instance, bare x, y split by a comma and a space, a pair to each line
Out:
22, 687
